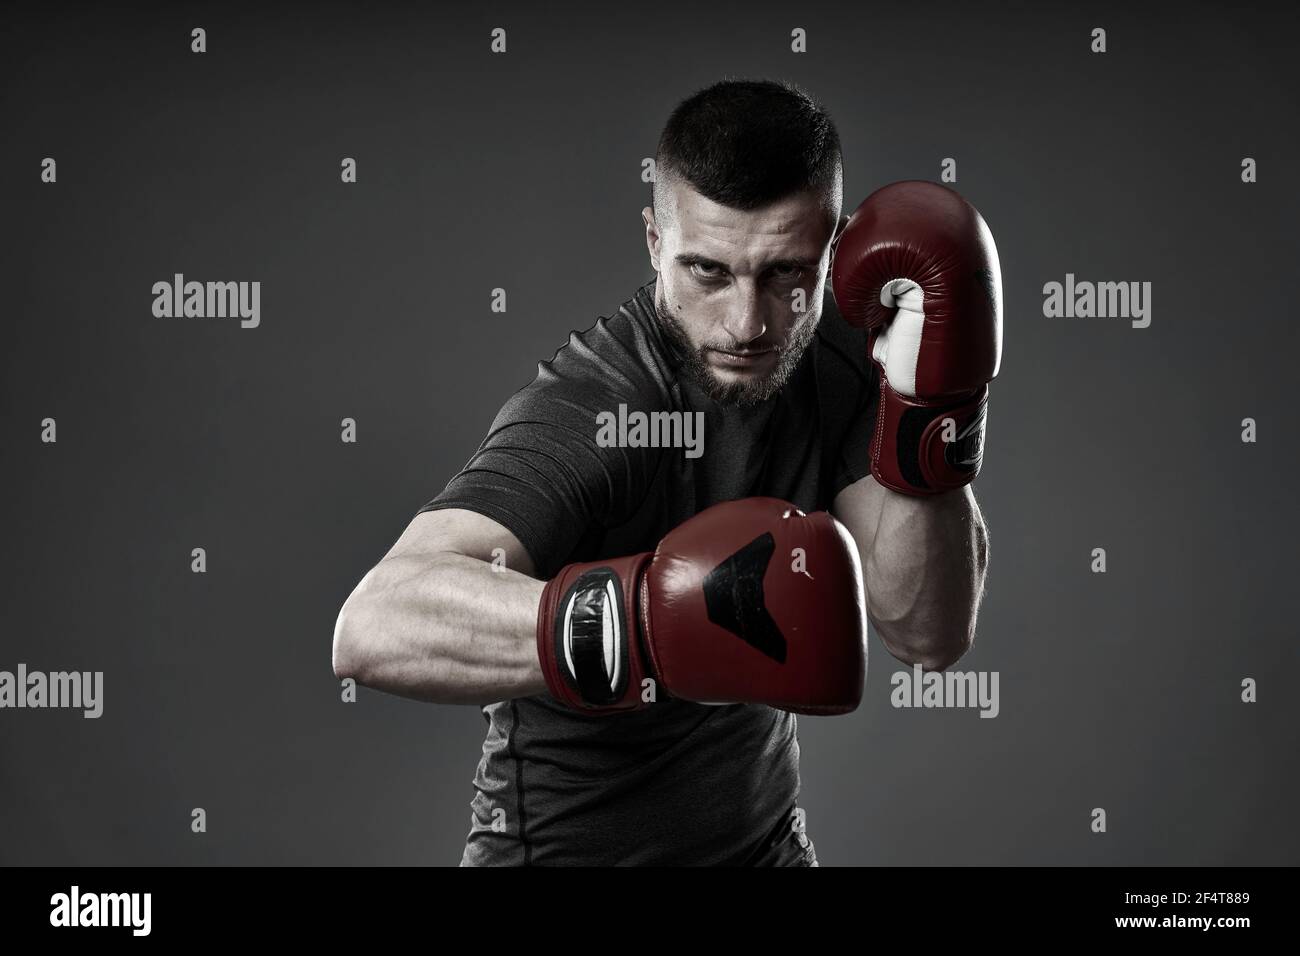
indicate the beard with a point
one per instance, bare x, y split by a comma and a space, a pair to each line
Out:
753, 390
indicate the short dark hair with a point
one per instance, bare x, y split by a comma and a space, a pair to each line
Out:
748, 143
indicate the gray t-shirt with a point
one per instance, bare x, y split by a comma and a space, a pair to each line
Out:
678, 782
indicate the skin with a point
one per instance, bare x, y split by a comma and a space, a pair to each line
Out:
730, 283
437, 619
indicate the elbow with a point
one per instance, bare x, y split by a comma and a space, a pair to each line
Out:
931, 650
345, 652
353, 649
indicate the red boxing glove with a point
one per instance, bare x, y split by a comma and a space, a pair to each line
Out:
916, 266
724, 611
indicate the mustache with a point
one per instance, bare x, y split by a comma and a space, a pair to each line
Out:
749, 348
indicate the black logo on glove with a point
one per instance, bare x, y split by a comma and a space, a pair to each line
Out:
733, 594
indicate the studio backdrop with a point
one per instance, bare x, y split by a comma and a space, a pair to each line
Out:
189, 499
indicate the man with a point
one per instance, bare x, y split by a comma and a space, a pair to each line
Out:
638, 623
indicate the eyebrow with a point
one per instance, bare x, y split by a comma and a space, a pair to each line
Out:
695, 258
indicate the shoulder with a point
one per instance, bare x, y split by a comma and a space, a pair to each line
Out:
620, 359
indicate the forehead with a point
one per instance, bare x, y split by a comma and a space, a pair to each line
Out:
799, 222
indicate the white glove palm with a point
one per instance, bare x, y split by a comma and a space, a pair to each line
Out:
898, 345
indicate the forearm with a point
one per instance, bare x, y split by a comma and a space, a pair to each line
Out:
924, 574
443, 628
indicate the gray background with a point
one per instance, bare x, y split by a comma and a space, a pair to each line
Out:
522, 171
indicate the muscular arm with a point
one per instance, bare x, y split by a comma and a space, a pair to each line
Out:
435, 621
923, 564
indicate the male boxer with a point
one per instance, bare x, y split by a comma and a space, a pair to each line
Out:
640, 625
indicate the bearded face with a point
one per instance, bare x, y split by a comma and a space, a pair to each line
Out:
735, 373
739, 291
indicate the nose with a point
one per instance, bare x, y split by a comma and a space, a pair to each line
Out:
744, 321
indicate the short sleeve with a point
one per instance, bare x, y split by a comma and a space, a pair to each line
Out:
540, 471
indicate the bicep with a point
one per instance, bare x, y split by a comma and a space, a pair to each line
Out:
463, 532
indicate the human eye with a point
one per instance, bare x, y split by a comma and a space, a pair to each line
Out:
706, 270
786, 272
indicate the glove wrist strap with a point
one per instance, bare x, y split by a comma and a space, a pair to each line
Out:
928, 447
588, 635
